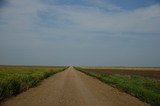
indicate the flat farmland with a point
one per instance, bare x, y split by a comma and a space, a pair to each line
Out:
142, 83
132, 71
15, 79
73, 88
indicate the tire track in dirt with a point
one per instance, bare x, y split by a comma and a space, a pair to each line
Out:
73, 88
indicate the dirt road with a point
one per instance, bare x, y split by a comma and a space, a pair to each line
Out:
73, 88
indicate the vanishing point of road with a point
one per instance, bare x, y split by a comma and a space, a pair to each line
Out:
73, 88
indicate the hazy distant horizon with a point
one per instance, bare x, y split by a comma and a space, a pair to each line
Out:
78, 66
80, 32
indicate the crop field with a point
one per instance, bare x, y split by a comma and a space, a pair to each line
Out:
135, 82
131, 71
14, 79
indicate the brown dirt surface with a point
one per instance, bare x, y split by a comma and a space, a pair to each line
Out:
144, 73
73, 88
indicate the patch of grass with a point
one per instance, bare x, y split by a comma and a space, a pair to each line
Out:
147, 90
14, 79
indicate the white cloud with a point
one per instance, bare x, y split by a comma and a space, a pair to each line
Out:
146, 20
22, 16
75, 28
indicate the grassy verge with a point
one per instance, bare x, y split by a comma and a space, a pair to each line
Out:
147, 90
15, 79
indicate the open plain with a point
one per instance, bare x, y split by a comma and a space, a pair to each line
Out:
73, 88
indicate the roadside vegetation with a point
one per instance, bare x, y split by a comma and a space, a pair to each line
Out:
15, 79
147, 90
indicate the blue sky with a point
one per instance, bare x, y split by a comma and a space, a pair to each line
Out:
80, 32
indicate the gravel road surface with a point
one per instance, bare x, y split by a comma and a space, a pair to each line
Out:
73, 88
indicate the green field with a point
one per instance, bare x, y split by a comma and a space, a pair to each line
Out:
147, 90
15, 79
